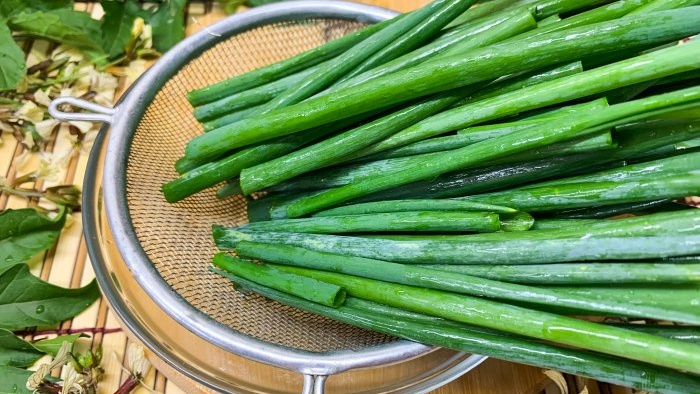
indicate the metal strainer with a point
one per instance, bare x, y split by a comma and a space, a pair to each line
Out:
168, 247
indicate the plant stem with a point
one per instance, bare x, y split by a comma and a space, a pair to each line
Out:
128, 385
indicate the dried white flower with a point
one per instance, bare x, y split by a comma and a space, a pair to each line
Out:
72, 381
147, 37
134, 70
66, 92
31, 112
21, 159
137, 363
104, 85
44, 369
70, 52
45, 127
51, 163
22, 85
82, 125
84, 83
70, 71
28, 141
42, 97
5, 126
137, 27
35, 56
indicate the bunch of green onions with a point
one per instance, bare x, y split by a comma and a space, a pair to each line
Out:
491, 178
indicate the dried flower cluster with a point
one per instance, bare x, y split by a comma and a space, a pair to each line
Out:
64, 72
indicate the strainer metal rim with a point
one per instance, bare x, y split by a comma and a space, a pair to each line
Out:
124, 123
92, 203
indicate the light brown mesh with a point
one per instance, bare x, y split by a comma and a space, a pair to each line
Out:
177, 237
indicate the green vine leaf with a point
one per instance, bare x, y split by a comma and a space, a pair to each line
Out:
168, 24
51, 346
14, 380
117, 24
66, 26
231, 6
26, 232
27, 301
12, 66
16, 352
258, 3
12, 7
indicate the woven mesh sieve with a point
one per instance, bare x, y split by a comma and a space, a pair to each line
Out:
177, 237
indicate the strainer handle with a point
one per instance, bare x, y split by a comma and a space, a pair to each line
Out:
97, 112
314, 384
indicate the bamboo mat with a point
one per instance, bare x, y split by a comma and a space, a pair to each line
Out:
67, 264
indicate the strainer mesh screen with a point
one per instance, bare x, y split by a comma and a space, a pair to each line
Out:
177, 237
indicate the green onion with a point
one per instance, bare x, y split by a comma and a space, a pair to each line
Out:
449, 73
551, 132
497, 345
483, 32
576, 195
415, 205
286, 67
647, 237
394, 40
248, 98
517, 320
209, 174
302, 286
626, 72
421, 221
430, 24
583, 273
427, 278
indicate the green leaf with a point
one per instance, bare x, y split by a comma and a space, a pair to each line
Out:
14, 380
116, 25
16, 352
75, 28
26, 232
51, 346
231, 6
168, 24
257, 3
12, 66
26, 300
12, 7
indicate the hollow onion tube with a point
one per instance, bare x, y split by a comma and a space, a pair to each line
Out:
551, 132
583, 273
495, 344
387, 43
418, 221
302, 286
517, 320
480, 65
647, 237
286, 67
455, 282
